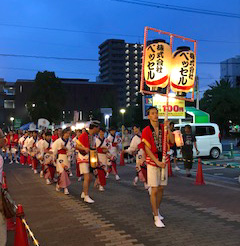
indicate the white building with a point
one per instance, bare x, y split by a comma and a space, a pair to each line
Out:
230, 69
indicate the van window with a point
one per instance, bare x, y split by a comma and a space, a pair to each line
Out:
211, 130
204, 130
201, 131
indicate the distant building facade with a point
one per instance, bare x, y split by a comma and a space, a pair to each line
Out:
230, 69
120, 64
7, 102
81, 95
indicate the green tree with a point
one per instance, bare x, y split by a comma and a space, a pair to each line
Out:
47, 98
222, 102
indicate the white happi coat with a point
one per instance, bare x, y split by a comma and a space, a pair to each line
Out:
114, 140
21, 143
32, 146
25, 145
61, 159
39, 145
47, 157
133, 148
102, 157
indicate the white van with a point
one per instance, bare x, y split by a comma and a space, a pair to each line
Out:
208, 139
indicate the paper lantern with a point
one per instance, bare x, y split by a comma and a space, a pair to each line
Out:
178, 138
93, 158
183, 70
157, 64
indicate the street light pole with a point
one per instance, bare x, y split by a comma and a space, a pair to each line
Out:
122, 111
12, 120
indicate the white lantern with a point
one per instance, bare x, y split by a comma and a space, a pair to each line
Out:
157, 64
183, 70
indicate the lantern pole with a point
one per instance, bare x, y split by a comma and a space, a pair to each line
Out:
165, 122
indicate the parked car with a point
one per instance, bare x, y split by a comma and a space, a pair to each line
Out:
208, 139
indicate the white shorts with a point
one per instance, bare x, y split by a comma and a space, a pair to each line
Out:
12, 151
154, 176
84, 168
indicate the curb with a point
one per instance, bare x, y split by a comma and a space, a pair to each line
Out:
227, 165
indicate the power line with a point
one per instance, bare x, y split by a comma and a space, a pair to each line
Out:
103, 33
50, 57
90, 59
71, 72
69, 30
34, 70
179, 8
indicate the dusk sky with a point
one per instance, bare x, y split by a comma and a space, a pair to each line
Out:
94, 21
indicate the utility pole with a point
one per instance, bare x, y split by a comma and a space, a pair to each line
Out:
197, 92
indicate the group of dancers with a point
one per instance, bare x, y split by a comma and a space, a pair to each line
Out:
93, 151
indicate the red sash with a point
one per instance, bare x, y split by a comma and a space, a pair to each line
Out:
62, 152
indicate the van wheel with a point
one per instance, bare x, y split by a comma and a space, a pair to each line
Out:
215, 153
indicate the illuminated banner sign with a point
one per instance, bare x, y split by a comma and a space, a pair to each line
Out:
176, 108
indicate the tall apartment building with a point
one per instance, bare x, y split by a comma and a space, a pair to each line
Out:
120, 64
230, 69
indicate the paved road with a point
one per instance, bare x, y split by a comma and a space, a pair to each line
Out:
219, 174
194, 215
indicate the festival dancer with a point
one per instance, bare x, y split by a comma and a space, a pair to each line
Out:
55, 135
12, 147
136, 149
86, 146
40, 154
60, 149
33, 150
152, 137
23, 152
26, 148
174, 149
49, 168
102, 148
78, 133
114, 142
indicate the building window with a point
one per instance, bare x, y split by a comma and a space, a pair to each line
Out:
126, 45
136, 82
128, 99
127, 51
20, 88
128, 105
127, 63
127, 70
9, 104
128, 87
127, 75
127, 57
127, 82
